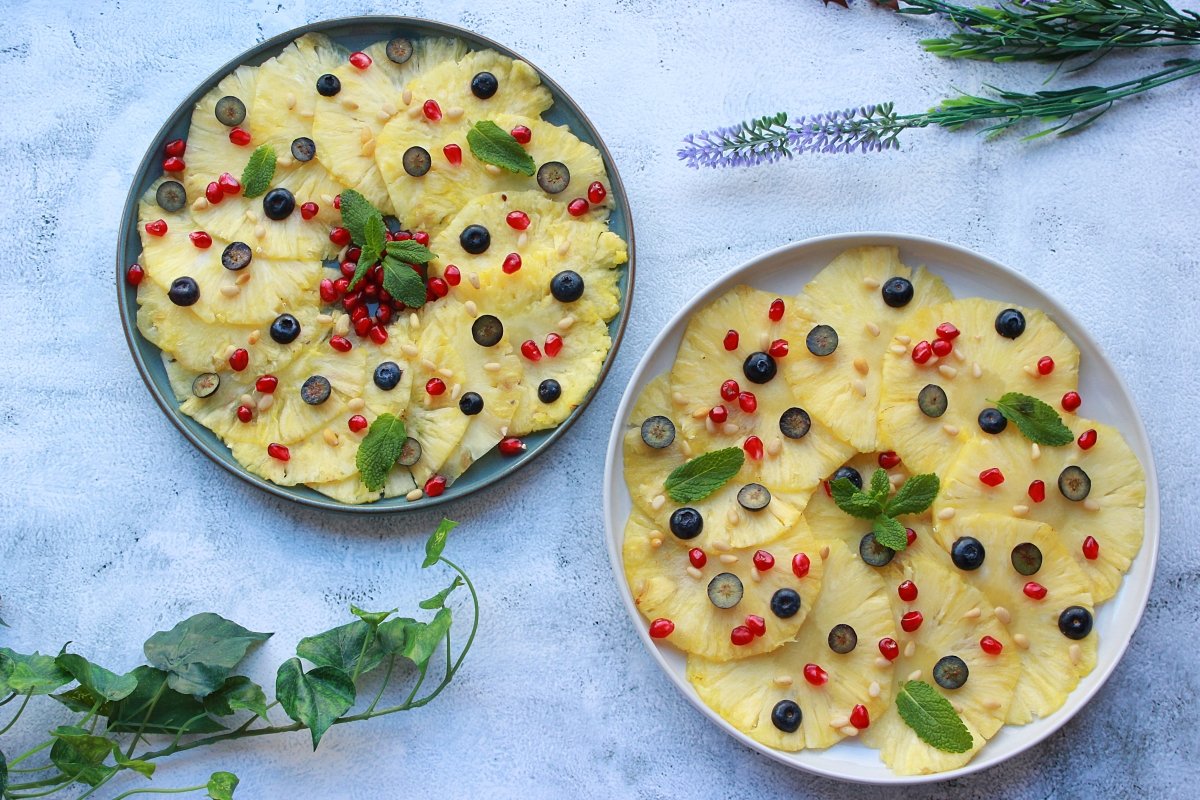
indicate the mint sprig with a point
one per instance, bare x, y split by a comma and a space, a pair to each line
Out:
704, 474
914, 496
403, 282
932, 718
492, 144
1038, 421
379, 449
260, 168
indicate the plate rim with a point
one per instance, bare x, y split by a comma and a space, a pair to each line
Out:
127, 224
614, 482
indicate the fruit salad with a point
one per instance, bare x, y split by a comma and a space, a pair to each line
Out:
874, 511
367, 270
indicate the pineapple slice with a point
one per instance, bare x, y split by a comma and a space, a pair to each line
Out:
982, 367
666, 585
368, 99
401, 350
1112, 513
793, 468
352, 492
519, 89
1051, 664
843, 388
436, 421
285, 97
209, 150
956, 617
746, 692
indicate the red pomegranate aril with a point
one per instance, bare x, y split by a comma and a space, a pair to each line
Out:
360, 59
1091, 548
815, 675
245, 413
888, 648
741, 636
173, 164
239, 137
352, 301
341, 344
229, 184
778, 348
800, 565
947, 331
596, 192
763, 560
402, 236
731, 340
435, 485
1037, 491
922, 351
911, 621
517, 220
730, 390
530, 350
577, 207
941, 347
1034, 590
1045, 365
439, 287
328, 293
156, 228
359, 312
348, 268
753, 447
357, 423
756, 624
511, 446
553, 345
860, 717
907, 591
512, 263
266, 384
135, 274
910, 535
309, 210
991, 477
748, 402
213, 193
362, 327
421, 238
433, 112
661, 628
339, 236
718, 414
991, 646
342, 285
175, 147
383, 313
378, 334
888, 459
429, 295
337, 201
452, 274
1087, 439
435, 386
1071, 401
828, 490
698, 557
522, 134
200, 239
453, 154
239, 359
775, 312
375, 274
278, 452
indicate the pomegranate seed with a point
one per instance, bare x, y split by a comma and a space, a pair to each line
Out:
201, 239
522, 134
577, 207
359, 313
778, 348
941, 347
348, 268
383, 314
859, 717
339, 236
435, 485
888, 459
753, 447
378, 334
1091, 548
1037, 491
730, 390
756, 624
763, 560
213, 193
828, 491
229, 184
156, 228
947, 331
907, 591
357, 423
991, 477
278, 451
439, 287
554, 344
175, 147
529, 349
661, 628
402, 236
309, 210
360, 59
1087, 439
453, 154
433, 112
421, 238
1045, 365
511, 446
266, 384
1071, 401
362, 326
596, 193
922, 351
800, 565
328, 293
815, 675
239, 137
1034, 590
134, 275
337, 201
245, 413
375, 273
748, 402
452, 274
517, 220
775, 312
731, 340
173, 164
341, 344
718, 414
341, 285
910, 535
741, 635
239, 359
698, 557
512, 263
990, 646
888, 648
435, 386
911, 621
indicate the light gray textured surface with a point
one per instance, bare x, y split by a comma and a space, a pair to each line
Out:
113, 526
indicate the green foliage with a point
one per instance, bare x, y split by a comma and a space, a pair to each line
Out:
315, 698
98, 681
403, 282
201, 652
157, 708
351, 648
436, 542
1037, 420
914, 496
492, 144
33, 674
704, 474
260, 169
379, 449
236, 694
221, 785
932, 717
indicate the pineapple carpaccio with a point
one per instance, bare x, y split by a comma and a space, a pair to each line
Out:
249, 298
876, 367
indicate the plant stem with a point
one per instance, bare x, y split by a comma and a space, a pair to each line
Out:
142, 727
132, 792
387, 676
28, 753
8, 699
17, 716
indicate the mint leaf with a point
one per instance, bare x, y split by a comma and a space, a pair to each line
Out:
853, 501
492, 144
410, 251
932, 718
1038, 421
238, 692
200, 652
704, 474
880, 486
256, 177
372, 618
403, 282
439, 599
374, 233
379, 449
221, 785
890, 533
315, 698
915, 496
437, 542
356, 210
96, 679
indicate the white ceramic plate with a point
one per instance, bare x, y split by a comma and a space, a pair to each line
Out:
786, 271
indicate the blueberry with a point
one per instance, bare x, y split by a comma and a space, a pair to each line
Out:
873, 553
553, 177
759, 368
303, 149
387, 375
1074, 484
470, 404
950, 672
822, 341
842, 639
1075, 622
278, 204
992, 421
686, 523
484, 85
236, 255
315, 390
795, 423
1010, 323
171, 196
410, 452
285, 329
184, 291
850, 474
787, 716
416, 161
230, 111
487, 330
897, 292
725, 590
1027, 558
475, 239
549, 390
785, 603
205, 384
754, 497
328, 85
567, 286
932, 400
399, 50
967, 553
658, 432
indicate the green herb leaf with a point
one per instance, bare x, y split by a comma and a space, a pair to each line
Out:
372, 618
880, 486
371, 248
256, 177
221, 785
158, 707
356, 211
915, 496
436, 542
96, 679
492, 144
890, 533
1038, 421
237, 693
315, 698
410, 251
340, 647
439, 599
424, 638
932, 717
704, 474
80, 755
30, 674
403, 282
201, 652
853, 501
379, 449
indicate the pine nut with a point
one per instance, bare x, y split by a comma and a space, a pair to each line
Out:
946, 513
415, 494
658, 502
356, 404
1003, 615
728, 558
331, 438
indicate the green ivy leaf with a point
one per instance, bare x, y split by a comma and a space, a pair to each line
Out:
315, 698
3, 773
379, 449
424, 638
1038, 421
880, 486
890, 533
81, 700
201, 652
492, 144
340, 648
98, 681
372, 618
136, 764
158, 707
932, 717
853, 501
436, 542
915, 496
81, 755
260, 168
410, 251
439, 599
394, 634
30, 674
403, 282
221, 785
356, 211
237, 693
704, 474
